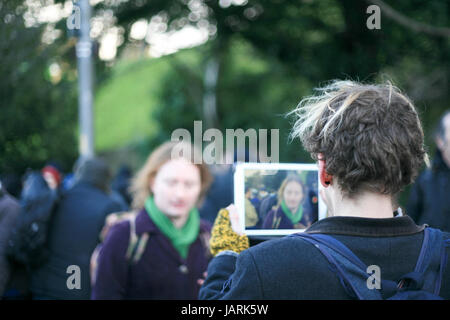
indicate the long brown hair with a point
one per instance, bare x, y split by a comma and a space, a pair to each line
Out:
291, 178
140, 185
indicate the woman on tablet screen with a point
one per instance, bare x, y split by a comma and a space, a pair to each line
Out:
292, 211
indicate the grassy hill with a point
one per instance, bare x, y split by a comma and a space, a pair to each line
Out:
123, 105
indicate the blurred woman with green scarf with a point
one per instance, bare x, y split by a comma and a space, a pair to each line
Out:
166, 193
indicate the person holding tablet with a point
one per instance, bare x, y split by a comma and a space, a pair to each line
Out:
369, 144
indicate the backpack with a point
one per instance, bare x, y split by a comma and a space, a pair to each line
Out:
27, 244
136, 244
423, 283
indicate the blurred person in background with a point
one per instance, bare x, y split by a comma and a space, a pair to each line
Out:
220, 194
429, 200
119, 188
12, 183
172, 250
52, 176
251, 215
268, 204
27, 237
74, 232
256, 202
121, 183
9, 211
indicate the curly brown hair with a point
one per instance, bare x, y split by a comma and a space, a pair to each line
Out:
370, 136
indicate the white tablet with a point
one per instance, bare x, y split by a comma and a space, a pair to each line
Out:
275, 199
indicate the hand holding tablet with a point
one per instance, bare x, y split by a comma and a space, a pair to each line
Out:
234, 219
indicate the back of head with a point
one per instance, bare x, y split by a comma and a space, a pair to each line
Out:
369, 135
94, 171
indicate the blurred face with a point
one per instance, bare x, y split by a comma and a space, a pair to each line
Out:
293, 195
176, 188
50, 179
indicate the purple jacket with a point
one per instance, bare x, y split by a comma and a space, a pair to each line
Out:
161, 273
271, 220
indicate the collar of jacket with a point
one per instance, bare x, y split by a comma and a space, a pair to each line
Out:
366, 227
145, 224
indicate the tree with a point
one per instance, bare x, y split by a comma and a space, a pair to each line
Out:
37, 96
322, 40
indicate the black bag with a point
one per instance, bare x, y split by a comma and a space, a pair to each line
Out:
27, 244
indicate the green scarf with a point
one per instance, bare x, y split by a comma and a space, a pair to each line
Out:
181, 238
295, 218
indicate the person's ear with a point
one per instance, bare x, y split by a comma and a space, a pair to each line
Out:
325, 178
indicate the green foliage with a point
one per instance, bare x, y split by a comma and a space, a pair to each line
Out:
124, 101
176, 97
271, 53
301, 44
38, 117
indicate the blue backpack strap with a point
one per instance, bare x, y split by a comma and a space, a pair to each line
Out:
427, 274
444, 258
348, 267
338, 246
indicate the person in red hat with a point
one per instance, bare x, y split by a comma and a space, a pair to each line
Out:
52, 176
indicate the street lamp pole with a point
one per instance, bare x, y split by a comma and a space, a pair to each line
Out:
85, 81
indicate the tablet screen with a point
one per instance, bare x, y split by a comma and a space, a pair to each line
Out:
277, 198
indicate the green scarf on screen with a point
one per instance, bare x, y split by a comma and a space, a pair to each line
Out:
294, 217
181, 238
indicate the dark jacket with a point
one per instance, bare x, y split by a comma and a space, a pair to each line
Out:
429, 200
161, 273
265, 207
276, 219
9, 211
74, 234
290, 268
219, 195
